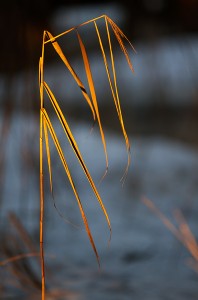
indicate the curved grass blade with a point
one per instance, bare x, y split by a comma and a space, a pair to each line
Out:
93, 95
120, 35
48, 156
71, 70
45, 123
114, 91
119, 111
50, 175
73, 28
76, 149
66, 168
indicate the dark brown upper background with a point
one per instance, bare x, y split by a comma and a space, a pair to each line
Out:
146, 21
22, 24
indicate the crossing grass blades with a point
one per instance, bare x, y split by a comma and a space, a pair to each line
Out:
47, 129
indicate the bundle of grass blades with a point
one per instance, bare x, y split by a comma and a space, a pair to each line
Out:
46, 126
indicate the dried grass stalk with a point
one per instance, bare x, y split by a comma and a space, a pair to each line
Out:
46, 127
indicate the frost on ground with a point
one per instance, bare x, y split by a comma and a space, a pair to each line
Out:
143, 260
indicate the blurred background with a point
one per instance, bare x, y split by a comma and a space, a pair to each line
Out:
160, 109
162, 32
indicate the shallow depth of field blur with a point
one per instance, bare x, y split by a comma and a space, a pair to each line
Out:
144, 259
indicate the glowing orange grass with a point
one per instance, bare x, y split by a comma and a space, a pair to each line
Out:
46, 126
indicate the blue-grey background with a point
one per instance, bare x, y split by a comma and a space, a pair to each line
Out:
159, 103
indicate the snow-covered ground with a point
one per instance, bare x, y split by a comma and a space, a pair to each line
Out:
144, 260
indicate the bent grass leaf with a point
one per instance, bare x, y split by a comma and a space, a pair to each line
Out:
114, 90
47, 127
48, 156
73, 73
66, 168
93, 95
120, 36
75, 148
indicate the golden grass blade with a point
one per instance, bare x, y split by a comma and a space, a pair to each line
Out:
93, 94
119, 111
46, 126
76, 149
114, 91
40, 74
63, 160
48, 156
41, 71
42, 209
73, 28
120, 35
50, 174
41, 229
71, 70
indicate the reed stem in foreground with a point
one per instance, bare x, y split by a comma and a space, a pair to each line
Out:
46, 127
